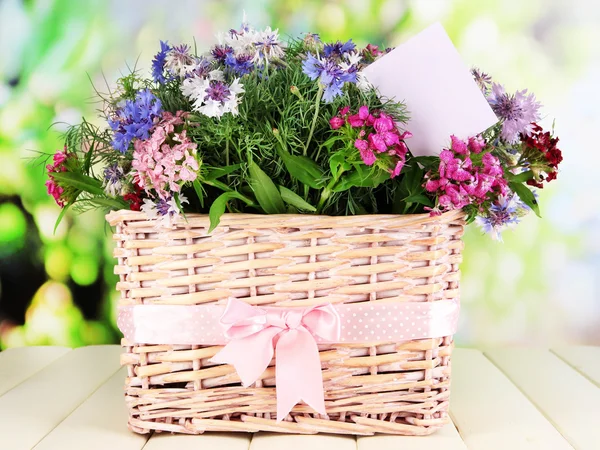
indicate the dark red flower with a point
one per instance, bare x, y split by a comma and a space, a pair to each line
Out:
134, 198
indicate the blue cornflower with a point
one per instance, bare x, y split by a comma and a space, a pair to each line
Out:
158, 63
135, 119
503, 214
338, 49
330, 75
240, 65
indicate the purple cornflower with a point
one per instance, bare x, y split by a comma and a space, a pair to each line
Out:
338, 49
202, 69
503, 214
179, 61
113, 175
239, 65
483, 80
134, 119
158, 63
330, 75
517, 111
217, 91
220, 52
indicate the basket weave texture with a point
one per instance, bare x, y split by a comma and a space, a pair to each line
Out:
289, 260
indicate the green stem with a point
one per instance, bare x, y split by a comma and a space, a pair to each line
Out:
326, 193
315, 118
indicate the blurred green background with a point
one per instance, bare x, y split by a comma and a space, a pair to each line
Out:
541, 286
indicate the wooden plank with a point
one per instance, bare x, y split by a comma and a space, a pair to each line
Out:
568, 399
273, 441
584, 359
99, 423
445, 439
18, 364
491, 413
32, 409
209, 441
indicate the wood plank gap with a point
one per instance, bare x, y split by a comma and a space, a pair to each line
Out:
19, 364
568, 419
588, 365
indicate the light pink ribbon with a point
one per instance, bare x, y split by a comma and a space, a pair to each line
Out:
252, 335
255, 334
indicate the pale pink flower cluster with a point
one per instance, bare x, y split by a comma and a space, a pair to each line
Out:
161, 166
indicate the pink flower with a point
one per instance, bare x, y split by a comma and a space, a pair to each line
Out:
476, 144
368, 156
52, 187
383, 123
377, 142
163, 167
336, 122
358, 120
459, 146
361, 144
396, 171
344, 111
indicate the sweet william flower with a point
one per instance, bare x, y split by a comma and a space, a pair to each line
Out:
336, 122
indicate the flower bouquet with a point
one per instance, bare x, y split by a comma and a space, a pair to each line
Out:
267, 204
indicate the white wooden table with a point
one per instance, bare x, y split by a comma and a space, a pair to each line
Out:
54, 398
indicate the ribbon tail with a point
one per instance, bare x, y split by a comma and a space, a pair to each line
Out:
250, 355
298, 372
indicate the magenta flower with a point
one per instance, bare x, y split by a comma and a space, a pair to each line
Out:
52, 187
459, 182
359, 120
336, 122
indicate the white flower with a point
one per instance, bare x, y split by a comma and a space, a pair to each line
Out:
112, 189
165, 212
353, 58
113, 174
195, 87
212, 96
362, 82
267, 46
180, 62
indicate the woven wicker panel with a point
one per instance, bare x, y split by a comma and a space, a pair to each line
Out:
290, 260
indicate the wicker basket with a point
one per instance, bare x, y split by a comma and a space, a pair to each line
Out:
290, 260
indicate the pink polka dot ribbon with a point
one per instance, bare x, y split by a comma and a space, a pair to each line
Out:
360, 323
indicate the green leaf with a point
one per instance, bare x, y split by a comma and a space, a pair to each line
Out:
264, 189
218, 207
302, 169
362, 178
521, 177
419, 198
61, 216
80, 181
219, 172
338, 162
526, 196
199, 191
293, 199
427, 162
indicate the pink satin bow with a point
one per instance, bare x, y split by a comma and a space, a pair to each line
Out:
255, 333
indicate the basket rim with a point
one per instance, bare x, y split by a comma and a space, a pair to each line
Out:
294, 220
